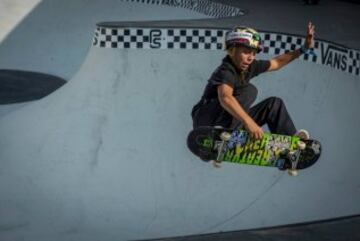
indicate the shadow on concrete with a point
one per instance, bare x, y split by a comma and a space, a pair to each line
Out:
20, 86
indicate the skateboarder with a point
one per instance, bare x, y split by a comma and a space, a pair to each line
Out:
228, 97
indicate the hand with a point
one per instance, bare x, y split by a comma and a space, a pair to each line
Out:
309, 40
254, 130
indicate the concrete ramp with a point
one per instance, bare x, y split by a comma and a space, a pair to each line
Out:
330, 230
105, 157
30, 38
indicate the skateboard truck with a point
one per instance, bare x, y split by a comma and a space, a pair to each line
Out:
224, 136
294, 157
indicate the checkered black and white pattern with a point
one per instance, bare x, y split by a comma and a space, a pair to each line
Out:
206, 7
146, 38
354, 62
122, 38
213, 39
275, 44
195, 39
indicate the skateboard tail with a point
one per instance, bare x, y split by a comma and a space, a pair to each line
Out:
202, 142
202, 150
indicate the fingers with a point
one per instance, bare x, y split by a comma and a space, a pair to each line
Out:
309, 40
311, 29
257, 135
254, 130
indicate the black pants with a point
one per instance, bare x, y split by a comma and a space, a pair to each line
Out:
271, 111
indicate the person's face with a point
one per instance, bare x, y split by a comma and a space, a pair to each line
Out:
243, 57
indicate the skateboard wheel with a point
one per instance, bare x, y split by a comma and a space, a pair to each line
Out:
216, 164
303, 134
301, 145
293, 172
290, 155
225, 136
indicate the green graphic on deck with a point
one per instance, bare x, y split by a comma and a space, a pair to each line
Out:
207, 143
263, 152
236, 146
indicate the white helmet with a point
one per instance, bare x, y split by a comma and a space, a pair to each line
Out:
243, 36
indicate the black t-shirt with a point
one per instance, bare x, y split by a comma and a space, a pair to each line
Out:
227, 73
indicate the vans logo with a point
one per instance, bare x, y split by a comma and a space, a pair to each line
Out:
155, 38
334, 56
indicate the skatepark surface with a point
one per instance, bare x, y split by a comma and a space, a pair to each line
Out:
334, 230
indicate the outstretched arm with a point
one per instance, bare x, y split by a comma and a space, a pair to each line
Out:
281, 60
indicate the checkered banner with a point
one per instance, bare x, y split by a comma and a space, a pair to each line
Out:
147, 38
207, 7
329, 54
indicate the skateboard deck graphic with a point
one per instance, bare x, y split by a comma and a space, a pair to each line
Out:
272, 150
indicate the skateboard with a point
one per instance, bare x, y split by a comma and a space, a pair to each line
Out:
236, 146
